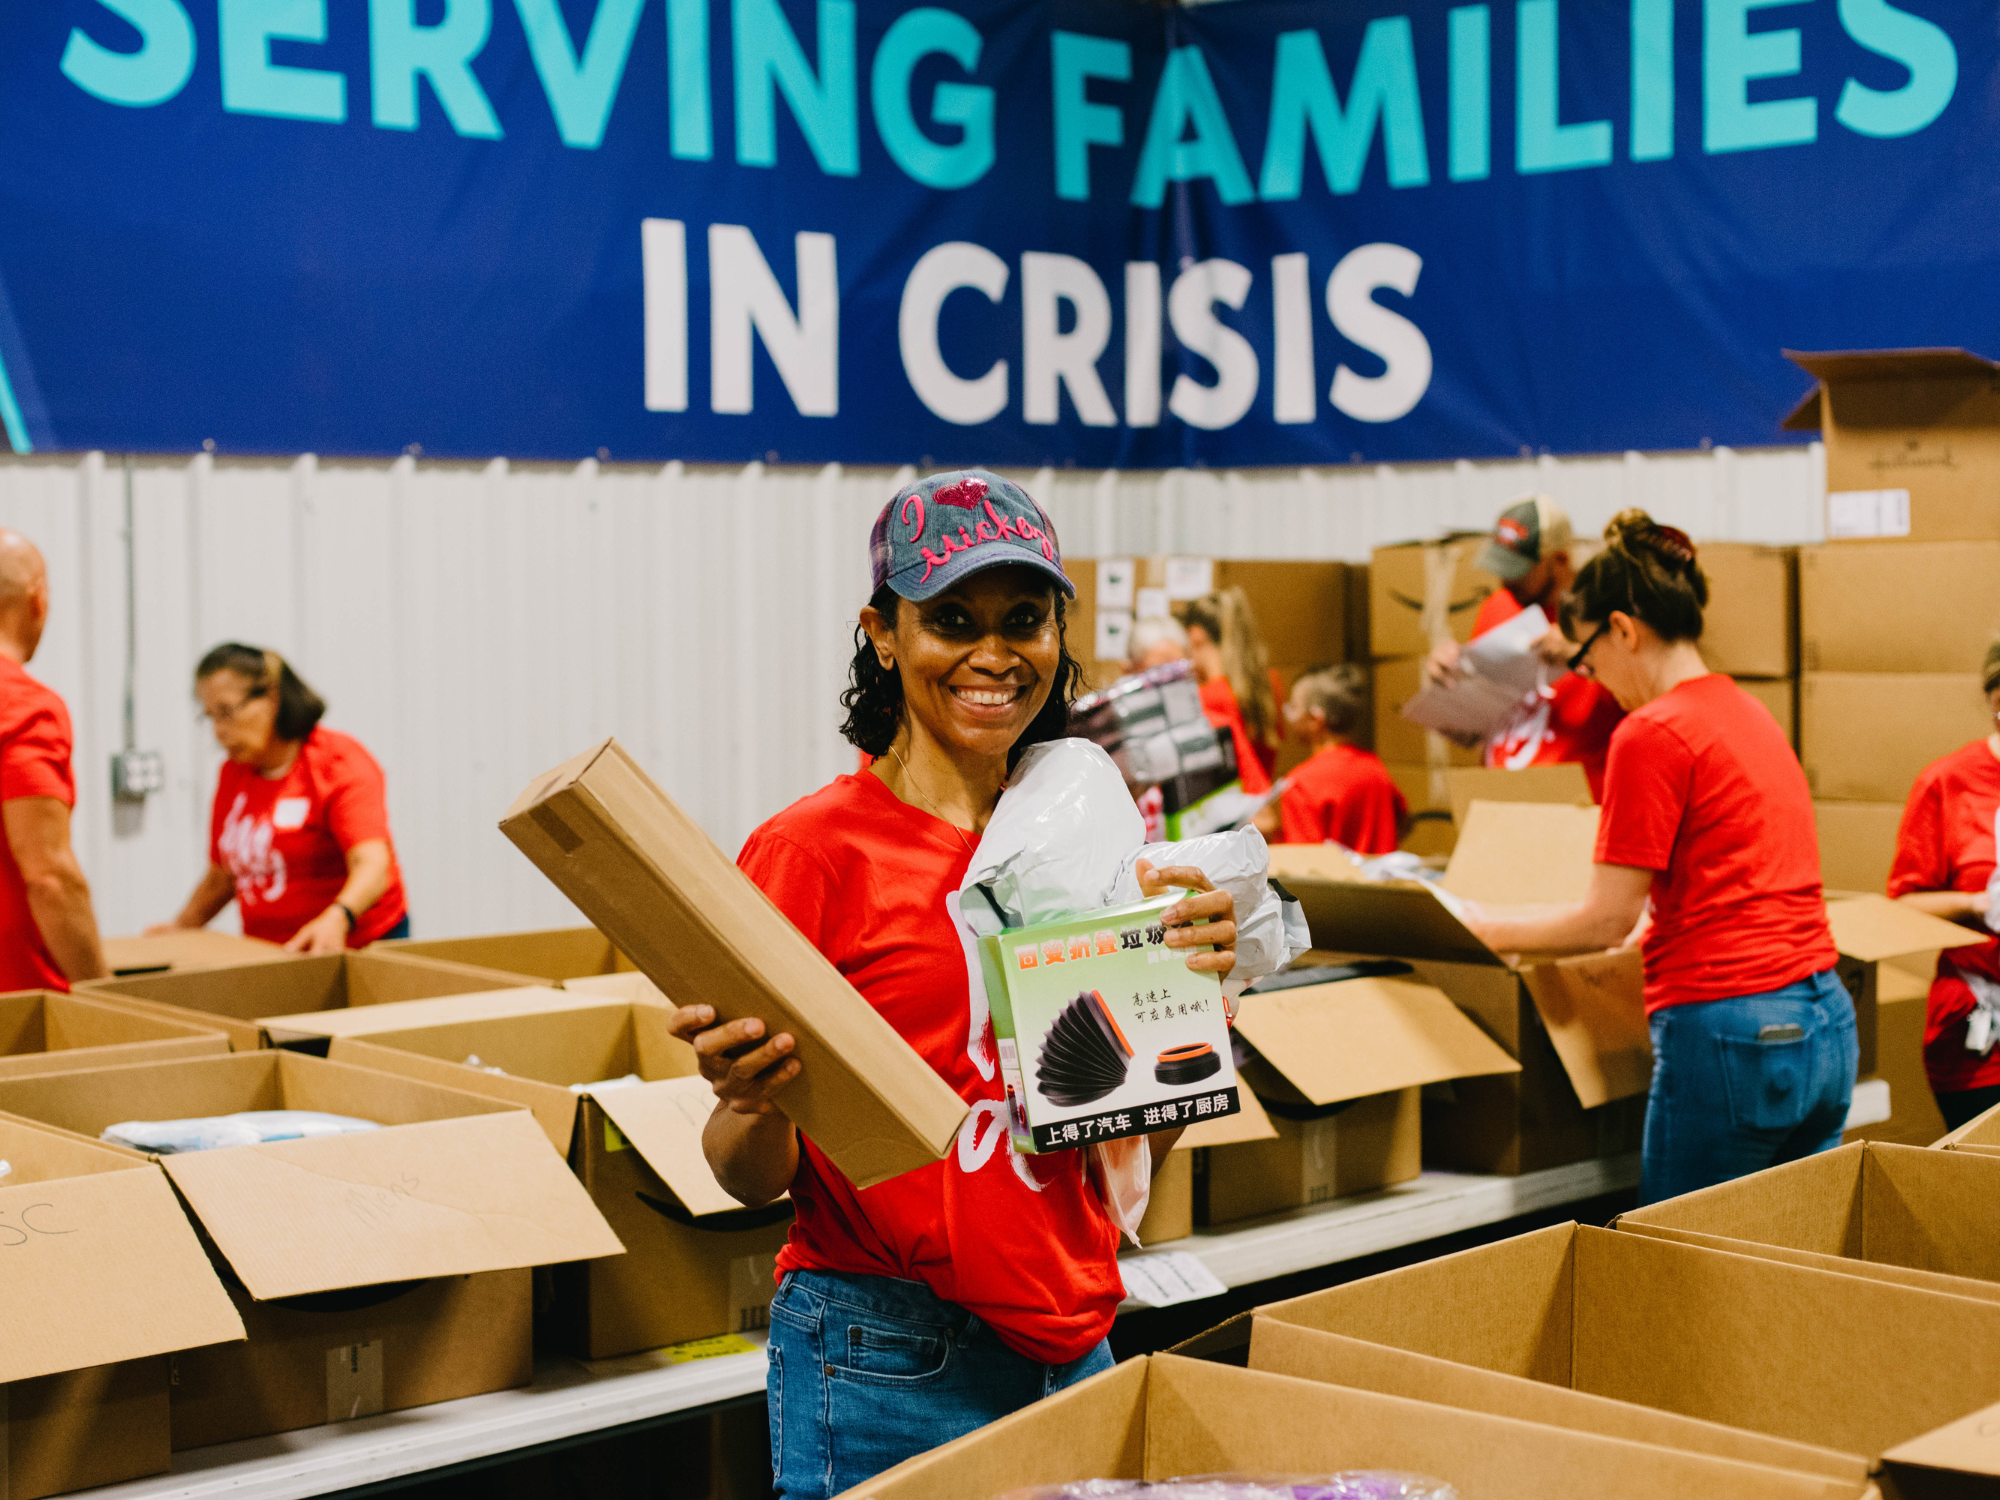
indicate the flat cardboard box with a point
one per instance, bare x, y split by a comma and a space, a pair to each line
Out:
454, 1186
44, 1031
554, 955
1898, 606
1397, 740
1809, 1356
102, 1279
696, 1262
1160, 1416
1923, 422
1750, 627
1857, 843
1902, 1005
1780, 696
179, 952
1864, 736
1871, 931
230, 1000
1338, 1068
654, 882
1399, 580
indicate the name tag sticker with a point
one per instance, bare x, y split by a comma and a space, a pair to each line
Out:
291, 812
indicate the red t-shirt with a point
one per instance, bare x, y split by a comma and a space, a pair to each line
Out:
1569, 720
285, 841
1343, 793
1023, 1242
1702, 788
1218, 702
34, 762
1946, 844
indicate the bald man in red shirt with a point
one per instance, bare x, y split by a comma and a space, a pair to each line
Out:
48, 932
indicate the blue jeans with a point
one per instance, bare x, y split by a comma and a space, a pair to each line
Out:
867, 1371
1725, 1104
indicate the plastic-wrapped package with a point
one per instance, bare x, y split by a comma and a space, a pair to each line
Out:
1238, 862
252, 1127
1349, 1484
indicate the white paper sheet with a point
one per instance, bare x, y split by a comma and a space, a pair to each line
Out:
1495, 672
1165, 1277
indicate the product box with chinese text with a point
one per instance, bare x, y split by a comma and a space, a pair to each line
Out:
1103, 1029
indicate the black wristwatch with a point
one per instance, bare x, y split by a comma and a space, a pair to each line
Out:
348, 912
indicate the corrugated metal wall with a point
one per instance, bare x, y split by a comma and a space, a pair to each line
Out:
475, 626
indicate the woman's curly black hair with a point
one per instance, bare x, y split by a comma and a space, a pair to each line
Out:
874, 695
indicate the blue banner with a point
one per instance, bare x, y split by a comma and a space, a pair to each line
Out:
997, 231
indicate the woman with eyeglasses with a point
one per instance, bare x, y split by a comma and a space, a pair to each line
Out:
299, 836
1707, 815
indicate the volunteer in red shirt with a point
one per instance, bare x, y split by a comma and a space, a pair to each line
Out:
299, 837
1236, 687
913, 1311
1707, 812
1571, 718
48, 932
1340, 793
1944, 865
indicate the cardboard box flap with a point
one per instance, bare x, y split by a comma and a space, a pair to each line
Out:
634, 988
1872, 928
1894, 364
1249, 1123
1313, 862
194, 948
1344, 1041
664, 1121
1805, 417
406, 1015
1970, 1445
441, 1198
1563, 784
652, 880
1523, 853
1594, 1009
1397, 918
100, 1268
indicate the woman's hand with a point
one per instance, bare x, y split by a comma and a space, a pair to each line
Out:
325, 933
1215, 909
745, 1077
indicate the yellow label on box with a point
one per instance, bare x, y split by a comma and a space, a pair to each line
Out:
709, 1348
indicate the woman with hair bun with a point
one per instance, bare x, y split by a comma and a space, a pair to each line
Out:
299, 836
1707, 814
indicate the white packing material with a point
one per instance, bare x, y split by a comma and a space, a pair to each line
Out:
629, 1081
1238, 862
253, 1127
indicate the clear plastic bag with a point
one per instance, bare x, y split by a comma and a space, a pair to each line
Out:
1349, 1484
212, 1132
1270, 932
1124, 1172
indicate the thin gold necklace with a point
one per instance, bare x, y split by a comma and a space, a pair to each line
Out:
936, 811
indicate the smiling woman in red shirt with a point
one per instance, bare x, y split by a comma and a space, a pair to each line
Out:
913, 1311
299, 836
1944, 864
1707, 813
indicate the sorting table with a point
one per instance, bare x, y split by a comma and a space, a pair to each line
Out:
571, 1399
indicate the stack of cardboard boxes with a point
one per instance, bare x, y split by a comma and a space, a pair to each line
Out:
1750, 628
1899, 607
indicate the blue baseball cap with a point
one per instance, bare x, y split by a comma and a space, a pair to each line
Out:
949, 526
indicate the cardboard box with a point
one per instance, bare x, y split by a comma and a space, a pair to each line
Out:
456, 1186
696, 1262
315, 1029
1857, 844
1102, 1031
1170, 1205
91, 1320
43, 1031
1564, 785
1401, 578
1750, 627
230, 1000
653, 881
1338, 1068
179, 952
1870, 931
1864, 736
1902, 1005
1397, 740
1912, 443
1431, 831
1808, 1356
555, 954
1898, 606
1159, 1416
1780, 696
1980, 1134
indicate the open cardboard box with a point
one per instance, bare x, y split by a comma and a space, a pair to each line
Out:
697, 1263
1883, 1374
1900, 1214
1870, 931
1979, 1134
231, 1000
102, 1278
46, 1031
554, 955
373, 1271
181, 951
1576, 1025
1161, 1416
1338, 1068
654, 882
